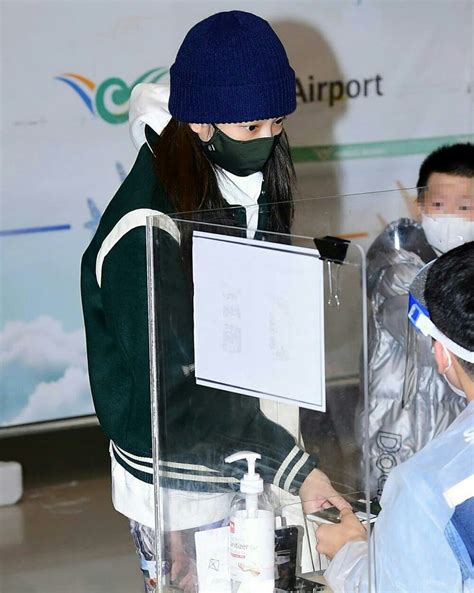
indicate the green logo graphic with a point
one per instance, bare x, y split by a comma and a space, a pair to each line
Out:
109, 99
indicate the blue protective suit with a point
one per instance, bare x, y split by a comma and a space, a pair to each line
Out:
423, 541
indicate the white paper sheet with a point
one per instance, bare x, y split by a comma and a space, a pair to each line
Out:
212, 560
259, 319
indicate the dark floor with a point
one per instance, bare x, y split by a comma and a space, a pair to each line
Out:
52, 457
64, 536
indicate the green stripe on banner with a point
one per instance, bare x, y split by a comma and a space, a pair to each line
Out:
372, 150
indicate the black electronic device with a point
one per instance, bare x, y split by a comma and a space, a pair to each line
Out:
332, 514
288, 542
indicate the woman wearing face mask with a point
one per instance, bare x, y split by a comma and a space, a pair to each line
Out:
215, 138
399, 427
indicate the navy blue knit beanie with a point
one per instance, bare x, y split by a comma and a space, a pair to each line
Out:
230, 68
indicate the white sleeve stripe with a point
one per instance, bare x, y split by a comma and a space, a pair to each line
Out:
174, 465
177, 476
132, 220
190, 466
294, 471
170, 464
284, 466
191, 478
141, 468
131, 455
460, 492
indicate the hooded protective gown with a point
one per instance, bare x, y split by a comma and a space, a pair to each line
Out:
400, 426
423, 541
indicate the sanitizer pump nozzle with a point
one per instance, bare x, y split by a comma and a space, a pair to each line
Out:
251, 485
252, 533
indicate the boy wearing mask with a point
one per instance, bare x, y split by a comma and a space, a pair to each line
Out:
407, 411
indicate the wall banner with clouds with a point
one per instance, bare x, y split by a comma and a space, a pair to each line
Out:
380, 84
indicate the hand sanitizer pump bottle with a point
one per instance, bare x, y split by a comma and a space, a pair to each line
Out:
252, 533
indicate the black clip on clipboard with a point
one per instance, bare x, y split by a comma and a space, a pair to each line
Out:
332, 249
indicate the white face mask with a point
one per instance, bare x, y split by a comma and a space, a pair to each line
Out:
447, 232
456, 390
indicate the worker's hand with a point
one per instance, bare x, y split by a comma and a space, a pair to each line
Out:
331, 538
318, 493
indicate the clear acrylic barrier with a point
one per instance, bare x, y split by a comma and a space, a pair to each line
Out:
197, 425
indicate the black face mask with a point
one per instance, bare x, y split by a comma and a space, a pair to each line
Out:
240, 157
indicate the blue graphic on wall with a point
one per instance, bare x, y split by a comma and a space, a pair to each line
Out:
95, 214
120, 170
42, 343
37, 229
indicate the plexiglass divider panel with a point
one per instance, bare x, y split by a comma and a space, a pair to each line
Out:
275, 273
248, 353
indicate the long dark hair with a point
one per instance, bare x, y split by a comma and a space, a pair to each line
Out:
190, 181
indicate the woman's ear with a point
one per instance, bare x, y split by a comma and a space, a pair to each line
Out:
441, 357
204, 131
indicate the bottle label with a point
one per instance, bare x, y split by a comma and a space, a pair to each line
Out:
252, 547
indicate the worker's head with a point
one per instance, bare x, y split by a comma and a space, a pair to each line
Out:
449, 298
446, 196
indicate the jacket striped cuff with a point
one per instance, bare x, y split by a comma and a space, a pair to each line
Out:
294, 470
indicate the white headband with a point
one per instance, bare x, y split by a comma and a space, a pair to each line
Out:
419, 317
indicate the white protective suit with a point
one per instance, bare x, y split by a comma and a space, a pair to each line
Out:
410, 549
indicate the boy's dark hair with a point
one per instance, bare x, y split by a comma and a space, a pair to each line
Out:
449, 295
456, 159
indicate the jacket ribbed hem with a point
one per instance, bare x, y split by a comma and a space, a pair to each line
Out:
191, 477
